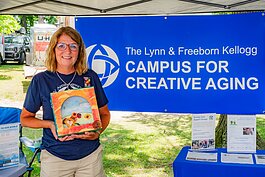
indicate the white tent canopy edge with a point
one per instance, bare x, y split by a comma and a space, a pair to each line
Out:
126, 7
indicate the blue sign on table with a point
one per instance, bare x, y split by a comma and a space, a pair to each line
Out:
183, 64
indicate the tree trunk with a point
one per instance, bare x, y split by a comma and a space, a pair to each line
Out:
221, 138
260, 142
23, 22
220, 132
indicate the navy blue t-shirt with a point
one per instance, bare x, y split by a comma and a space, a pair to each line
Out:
38, 95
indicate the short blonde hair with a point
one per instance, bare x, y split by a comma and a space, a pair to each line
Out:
81, 62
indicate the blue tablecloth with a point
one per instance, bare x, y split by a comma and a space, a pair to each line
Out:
187, 168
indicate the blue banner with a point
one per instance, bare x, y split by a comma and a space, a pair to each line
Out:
182, 64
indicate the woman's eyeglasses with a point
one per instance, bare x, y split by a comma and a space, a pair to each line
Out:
63, 46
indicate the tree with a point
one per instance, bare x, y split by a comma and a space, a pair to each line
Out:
221, 135
28, 21
8, 24
51, 19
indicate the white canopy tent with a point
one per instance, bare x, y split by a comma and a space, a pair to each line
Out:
126, 7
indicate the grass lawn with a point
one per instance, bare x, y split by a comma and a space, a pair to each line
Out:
139, 144
135, 144
13, 85
143, 144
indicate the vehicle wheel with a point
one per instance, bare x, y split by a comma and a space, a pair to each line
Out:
22, 59
1, 60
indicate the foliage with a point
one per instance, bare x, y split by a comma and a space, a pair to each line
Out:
51, 19
8, 24
28, 21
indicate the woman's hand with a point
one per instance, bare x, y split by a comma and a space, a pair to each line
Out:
52, 127
86, 136
53, 130
66, 138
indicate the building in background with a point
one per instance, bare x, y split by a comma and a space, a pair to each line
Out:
66, 21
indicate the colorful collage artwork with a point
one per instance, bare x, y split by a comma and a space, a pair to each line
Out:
75, 111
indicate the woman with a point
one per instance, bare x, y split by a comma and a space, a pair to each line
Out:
74, 155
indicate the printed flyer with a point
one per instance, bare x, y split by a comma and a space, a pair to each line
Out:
9, 145
241, 133
260, 159
203, 131
202, 156
236, 158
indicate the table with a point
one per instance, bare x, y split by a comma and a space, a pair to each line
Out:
187, 168
15, 171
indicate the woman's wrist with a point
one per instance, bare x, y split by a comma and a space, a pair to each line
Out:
98, 132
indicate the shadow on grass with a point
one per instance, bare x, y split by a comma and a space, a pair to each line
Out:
117, 150
128, 153
131, 153
5, 77
168, 124
25, 85
7, 67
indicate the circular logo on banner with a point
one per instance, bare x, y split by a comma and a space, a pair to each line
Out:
104, 61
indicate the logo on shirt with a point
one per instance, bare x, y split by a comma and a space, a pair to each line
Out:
87, 81
105, 62
64, 87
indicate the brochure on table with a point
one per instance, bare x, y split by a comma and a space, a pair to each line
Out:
202, 156
9, 145
241, 133
260, 159
236, 158
203, 131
